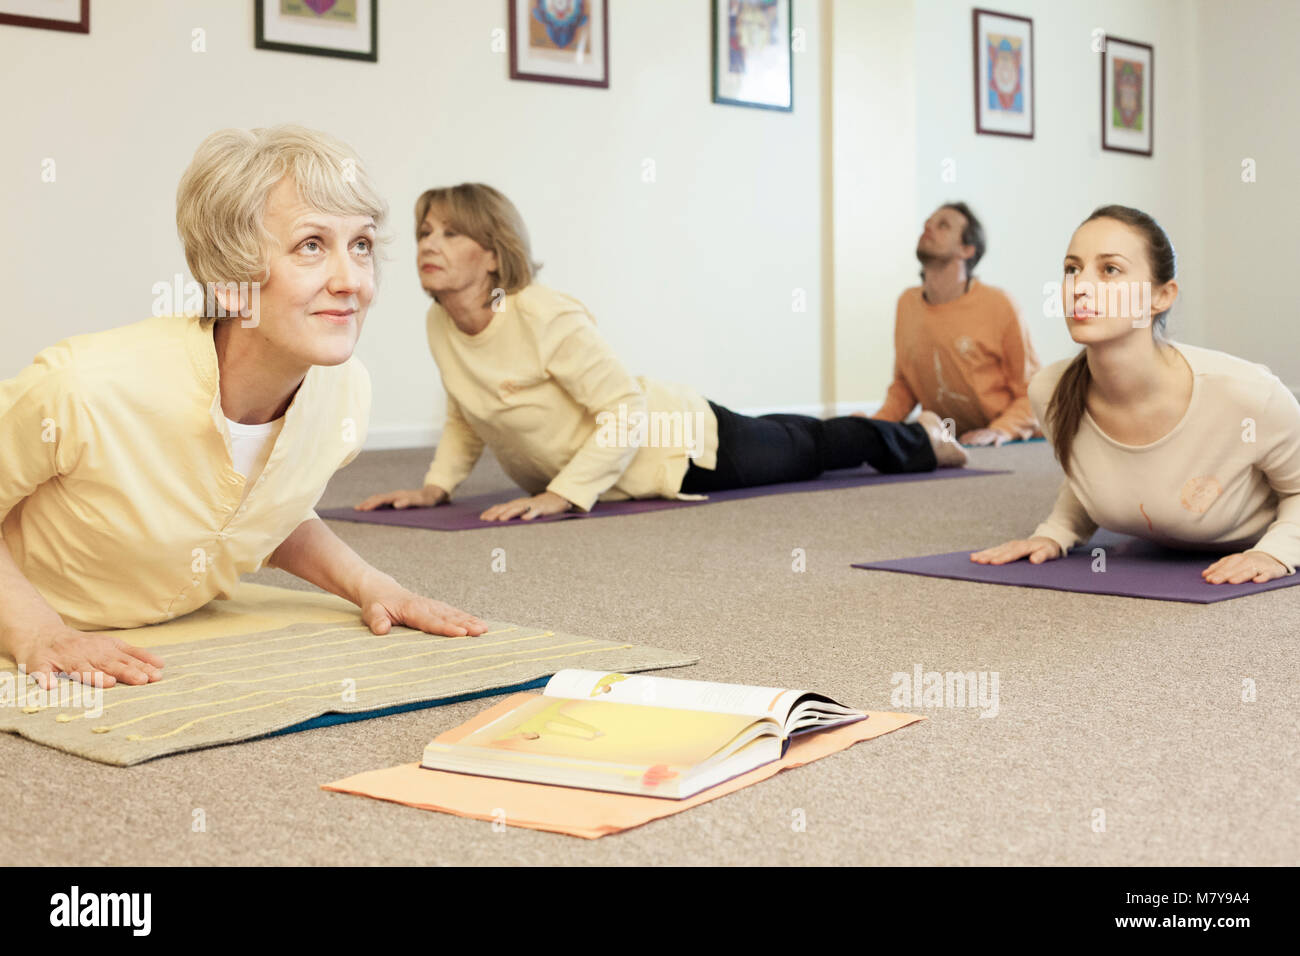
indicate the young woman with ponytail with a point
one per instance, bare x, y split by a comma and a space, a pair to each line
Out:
1185, 446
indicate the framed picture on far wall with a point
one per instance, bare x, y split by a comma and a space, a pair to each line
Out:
1004, 74
560, 41
752, 65
343, 28
72, 16
1127, 85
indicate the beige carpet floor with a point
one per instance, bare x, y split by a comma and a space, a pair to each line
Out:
1121, 736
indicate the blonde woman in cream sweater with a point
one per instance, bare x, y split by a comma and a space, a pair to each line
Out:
528, 375
1184, 446
144, 469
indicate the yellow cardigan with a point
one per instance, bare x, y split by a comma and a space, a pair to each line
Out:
121, 503
542, 389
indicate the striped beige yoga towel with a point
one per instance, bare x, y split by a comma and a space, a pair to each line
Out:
271, 660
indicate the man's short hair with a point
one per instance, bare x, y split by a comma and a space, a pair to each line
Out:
972, 235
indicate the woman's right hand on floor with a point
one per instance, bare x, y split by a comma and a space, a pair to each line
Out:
85, 656
1037, 550
425, 497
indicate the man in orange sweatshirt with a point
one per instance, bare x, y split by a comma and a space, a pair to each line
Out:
960, 347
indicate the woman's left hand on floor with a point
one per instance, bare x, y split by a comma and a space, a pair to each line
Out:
547, 503
384, 606
1253, 566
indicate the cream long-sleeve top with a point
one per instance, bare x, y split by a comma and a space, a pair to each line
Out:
120, 499
542, 389
1225, 478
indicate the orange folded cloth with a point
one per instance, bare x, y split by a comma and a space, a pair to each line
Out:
582, 813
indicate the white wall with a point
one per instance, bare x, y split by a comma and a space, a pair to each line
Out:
690, 277
1248, 101
1032, 194
874, 136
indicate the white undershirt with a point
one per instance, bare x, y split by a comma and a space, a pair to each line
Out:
250, 447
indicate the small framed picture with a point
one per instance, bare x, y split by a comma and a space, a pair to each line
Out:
1004, 74
560, 41
1127, 96
752, 65
72, 16
344, 28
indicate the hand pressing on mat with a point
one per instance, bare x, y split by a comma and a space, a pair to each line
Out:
547, 503
384, 603
86, 656
316, 554
1253, 566
425, 497
1037, 550
984, 436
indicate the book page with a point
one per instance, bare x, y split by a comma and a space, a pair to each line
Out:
742, 699
605, 745
623, 737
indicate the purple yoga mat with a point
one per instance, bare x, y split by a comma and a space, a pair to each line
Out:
463, 513
1134, 568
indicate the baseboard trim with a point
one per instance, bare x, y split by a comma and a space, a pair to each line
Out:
388, 437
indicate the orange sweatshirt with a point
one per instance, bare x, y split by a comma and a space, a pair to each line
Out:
969, 360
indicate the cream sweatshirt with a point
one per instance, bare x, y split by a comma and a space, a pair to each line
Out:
1225, 478
542, 389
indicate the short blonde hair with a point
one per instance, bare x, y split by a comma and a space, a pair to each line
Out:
490, 219
221, 199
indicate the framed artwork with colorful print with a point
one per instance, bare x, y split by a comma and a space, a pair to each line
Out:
72, 16
752, 62
1004, 74
1127, 96
343, 28
560, 41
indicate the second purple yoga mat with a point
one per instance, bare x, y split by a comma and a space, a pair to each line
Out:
463, 513
1133, 568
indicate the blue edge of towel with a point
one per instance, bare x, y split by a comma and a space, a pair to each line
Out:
328, 720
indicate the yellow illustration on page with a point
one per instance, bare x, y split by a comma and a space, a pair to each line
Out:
606, 684
609, 732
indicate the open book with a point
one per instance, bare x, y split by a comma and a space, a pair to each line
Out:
651, 736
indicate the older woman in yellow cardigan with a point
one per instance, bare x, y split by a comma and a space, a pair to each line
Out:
147, 467
527, 374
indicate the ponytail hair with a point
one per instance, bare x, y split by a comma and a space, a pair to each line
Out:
1070, 397
1065, 410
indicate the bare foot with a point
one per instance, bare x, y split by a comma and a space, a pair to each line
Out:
946, 450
